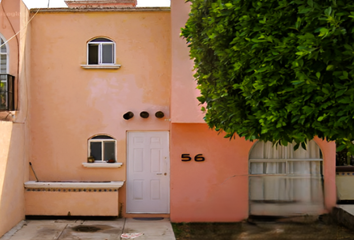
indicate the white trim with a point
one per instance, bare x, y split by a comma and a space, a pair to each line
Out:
102, 165
102, 150
103, 66
168, 159
7, 53
100, 52
270, 160
107, 185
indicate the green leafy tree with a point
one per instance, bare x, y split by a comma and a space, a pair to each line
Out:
275, 70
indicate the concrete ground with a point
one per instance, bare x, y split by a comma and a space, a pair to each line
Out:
90, 230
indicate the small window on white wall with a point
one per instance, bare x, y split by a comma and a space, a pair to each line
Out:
101, 51
102, 148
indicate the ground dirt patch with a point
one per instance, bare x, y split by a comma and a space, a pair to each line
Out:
263, 230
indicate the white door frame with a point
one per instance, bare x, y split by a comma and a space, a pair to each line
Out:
167, 171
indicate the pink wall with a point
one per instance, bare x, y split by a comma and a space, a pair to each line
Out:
13, 164
217, 190
329, 172
70, 104
184, 105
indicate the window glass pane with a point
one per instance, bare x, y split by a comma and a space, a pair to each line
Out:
107, 53
93, 54
109, 151
257, 168
3, 47
301, 168
96, 150
275, 167
3, 63
3, 94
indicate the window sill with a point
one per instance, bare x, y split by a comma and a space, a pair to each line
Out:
102, 165
98, 185
112, 66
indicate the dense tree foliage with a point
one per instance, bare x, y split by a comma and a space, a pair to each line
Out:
275, 70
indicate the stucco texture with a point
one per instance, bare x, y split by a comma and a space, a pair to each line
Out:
13, 164
70, 104
217, 190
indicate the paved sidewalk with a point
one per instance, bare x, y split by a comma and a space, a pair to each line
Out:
90, 230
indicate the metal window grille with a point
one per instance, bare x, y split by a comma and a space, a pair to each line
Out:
7, 92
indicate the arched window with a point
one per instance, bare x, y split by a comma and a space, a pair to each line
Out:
3, 57
7, 86
284, 181
100, 51
102, 148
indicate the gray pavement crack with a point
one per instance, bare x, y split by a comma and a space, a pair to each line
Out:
62, 232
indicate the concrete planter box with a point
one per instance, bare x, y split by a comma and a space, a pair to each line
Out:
72, 198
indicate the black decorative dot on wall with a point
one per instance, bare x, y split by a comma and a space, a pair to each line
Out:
159, 114
128, 115
144, 114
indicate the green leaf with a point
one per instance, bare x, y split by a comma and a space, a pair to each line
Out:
228, 5
321, 118
330, 68
340, 148
310, 3
328, 11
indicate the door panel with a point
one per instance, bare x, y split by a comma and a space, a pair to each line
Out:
148, 172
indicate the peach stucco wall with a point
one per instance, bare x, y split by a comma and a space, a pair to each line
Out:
329, 172
70, 104
72, 203
13, 164
217, 189
185, 107
213, 190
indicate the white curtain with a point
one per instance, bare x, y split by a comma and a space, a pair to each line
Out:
284, 176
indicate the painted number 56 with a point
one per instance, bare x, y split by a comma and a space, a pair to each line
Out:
198, 158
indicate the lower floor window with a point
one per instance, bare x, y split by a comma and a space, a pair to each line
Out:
7, 89
102, 148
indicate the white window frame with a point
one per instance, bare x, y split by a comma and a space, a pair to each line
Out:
7, 67
6, 53
102, 140
100, 44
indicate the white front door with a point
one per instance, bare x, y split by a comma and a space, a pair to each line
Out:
148, 172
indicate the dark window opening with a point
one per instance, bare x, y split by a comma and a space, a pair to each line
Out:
7, 90
93, 54
101, 51
102, 148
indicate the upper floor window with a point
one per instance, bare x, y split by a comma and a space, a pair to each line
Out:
100, 51
102, 148
7, 83
3, 57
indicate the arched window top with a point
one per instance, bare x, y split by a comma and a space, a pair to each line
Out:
102, 137
100, 40
3, 48
101, 51
266, 150
102, 148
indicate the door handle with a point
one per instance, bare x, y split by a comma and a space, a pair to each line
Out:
160, 173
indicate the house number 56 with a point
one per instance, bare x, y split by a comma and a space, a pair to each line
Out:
198, 158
